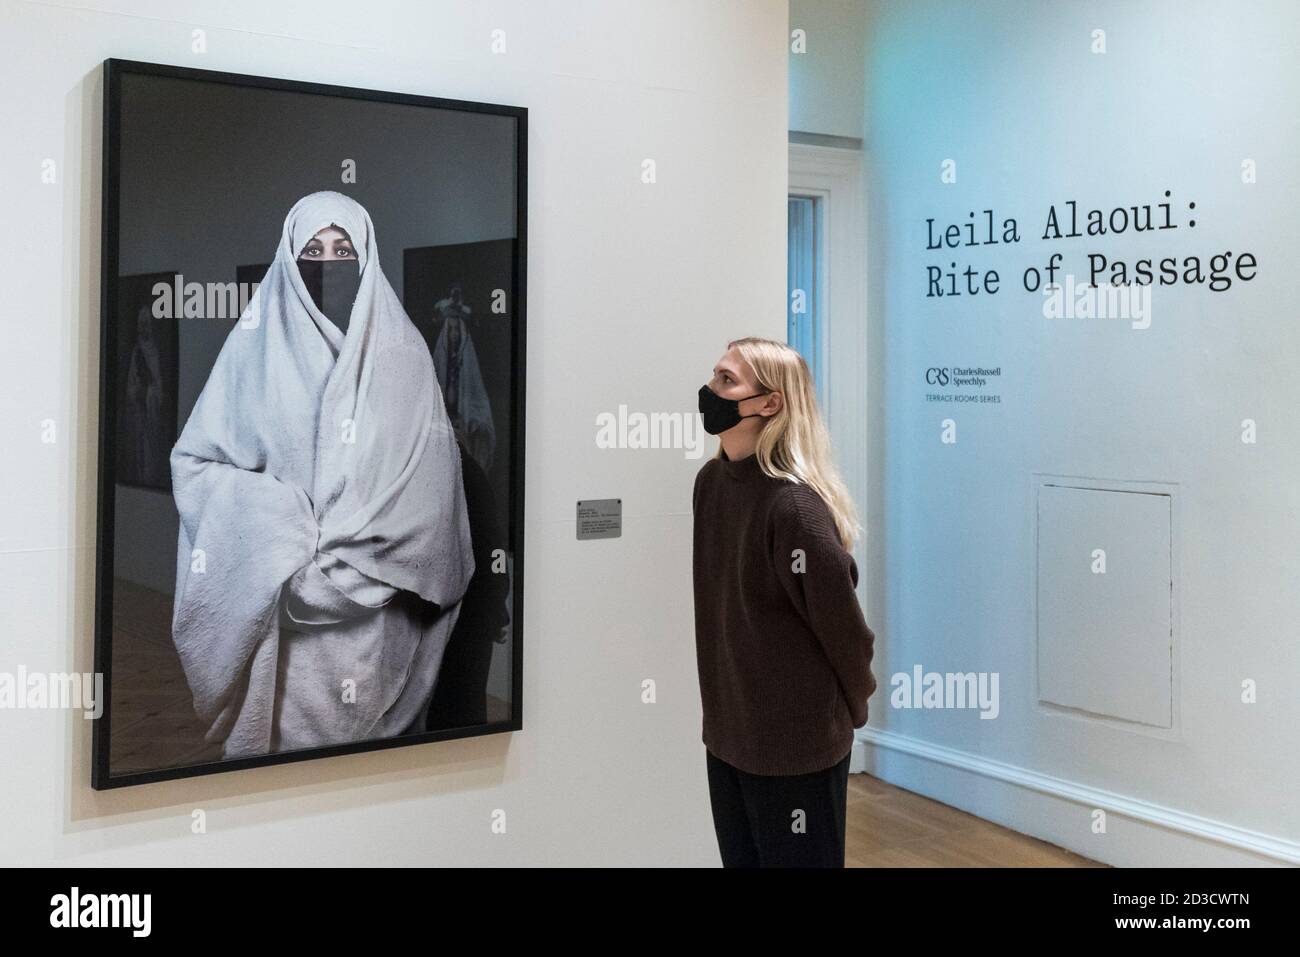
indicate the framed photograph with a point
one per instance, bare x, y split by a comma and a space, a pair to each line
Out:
311, 421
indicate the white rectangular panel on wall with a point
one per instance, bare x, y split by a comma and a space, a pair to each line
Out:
1105, 616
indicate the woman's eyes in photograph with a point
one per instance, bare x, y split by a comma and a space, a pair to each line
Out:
315, 248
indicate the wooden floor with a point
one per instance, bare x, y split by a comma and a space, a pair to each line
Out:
889, 827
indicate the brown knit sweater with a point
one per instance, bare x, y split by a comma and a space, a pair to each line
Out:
784, 652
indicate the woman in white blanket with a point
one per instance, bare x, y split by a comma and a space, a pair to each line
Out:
324, 543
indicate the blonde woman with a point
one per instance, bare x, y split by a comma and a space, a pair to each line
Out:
784, 652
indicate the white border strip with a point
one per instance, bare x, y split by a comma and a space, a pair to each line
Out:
1191, 825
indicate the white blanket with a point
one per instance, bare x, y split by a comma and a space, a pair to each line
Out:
319, 489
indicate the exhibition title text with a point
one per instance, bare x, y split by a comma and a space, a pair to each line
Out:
1217, 271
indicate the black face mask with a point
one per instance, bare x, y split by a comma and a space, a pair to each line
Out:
333, 286
721, 414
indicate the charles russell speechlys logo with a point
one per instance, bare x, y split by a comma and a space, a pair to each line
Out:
957, 384
960, 376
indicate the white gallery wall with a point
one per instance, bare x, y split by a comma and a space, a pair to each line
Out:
827, 39
633, 290
1167, 446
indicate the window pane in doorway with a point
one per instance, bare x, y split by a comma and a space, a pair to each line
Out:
805, 322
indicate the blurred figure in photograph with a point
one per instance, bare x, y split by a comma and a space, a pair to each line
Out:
146, 451
456, 363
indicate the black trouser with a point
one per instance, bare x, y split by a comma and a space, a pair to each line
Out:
757, 821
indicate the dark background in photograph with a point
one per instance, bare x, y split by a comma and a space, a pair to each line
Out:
428, 275
251, 276
208, 173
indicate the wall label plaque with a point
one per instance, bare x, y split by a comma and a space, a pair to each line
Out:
600, 518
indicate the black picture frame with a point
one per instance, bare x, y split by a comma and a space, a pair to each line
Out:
114, 70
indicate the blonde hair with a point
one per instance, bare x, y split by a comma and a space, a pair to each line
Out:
794, 444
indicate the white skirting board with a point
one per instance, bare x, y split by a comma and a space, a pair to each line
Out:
1060, 811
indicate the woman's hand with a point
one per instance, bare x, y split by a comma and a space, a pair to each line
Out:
327, 591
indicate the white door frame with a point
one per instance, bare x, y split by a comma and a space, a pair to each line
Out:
837, 176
